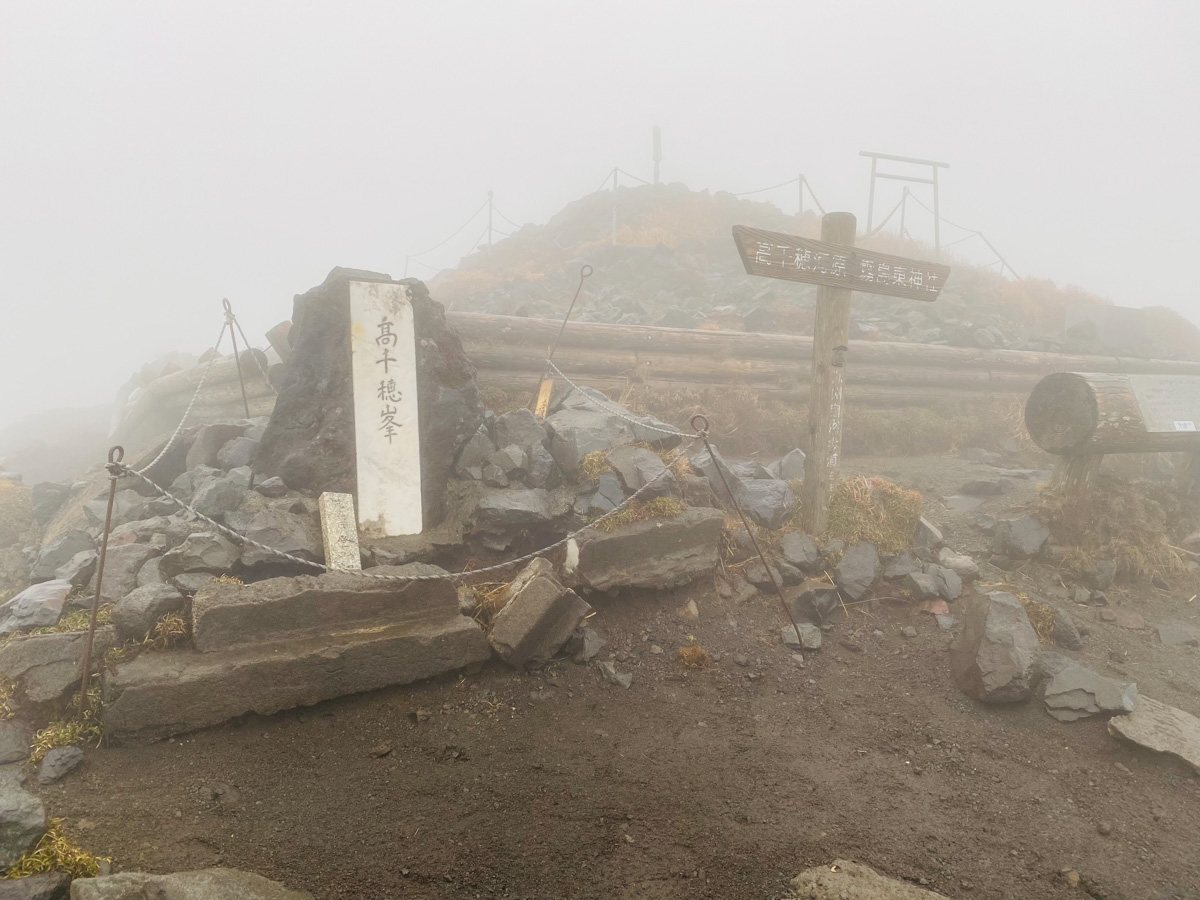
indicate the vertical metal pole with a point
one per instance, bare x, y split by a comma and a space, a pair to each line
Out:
937, 218
237, 359
870, 198
115, 455
406, 259
800, 210
830, 341
903, 209
614, 217
657, 151
489, 253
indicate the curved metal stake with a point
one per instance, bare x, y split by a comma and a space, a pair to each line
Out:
229, 317
115, 455
541, 403
700, 426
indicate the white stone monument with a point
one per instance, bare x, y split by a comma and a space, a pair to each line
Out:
386, 433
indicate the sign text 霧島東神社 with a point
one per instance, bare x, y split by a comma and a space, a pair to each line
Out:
777, 255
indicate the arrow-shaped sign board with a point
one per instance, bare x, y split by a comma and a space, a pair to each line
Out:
777, 255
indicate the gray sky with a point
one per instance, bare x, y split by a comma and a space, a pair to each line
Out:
156, 157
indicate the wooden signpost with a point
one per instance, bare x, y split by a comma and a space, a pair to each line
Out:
838, 268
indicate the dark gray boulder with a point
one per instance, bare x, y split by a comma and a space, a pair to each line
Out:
920, 586
790, 467
58, 553
237, 453
1066, 634
121, 567
800, 550
48, 498
22, 819
520, 427
713, 466
1021, 537
768, 502
857, 569
949, 585
995, 659
15, 737
205, 551
219, 494
1077, 692
475, 452
37, 606
574, 433
310, 439
137, 612
59, 763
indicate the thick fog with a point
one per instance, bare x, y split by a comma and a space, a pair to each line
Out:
158, 157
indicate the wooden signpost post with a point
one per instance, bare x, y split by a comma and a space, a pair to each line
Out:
838, 268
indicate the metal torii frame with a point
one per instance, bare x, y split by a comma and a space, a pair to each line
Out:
933, 180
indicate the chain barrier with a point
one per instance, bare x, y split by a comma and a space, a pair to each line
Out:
117, 469
187, 412
551, 367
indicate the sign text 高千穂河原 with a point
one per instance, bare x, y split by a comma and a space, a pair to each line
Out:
776, 255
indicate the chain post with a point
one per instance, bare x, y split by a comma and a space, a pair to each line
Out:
115, 455
229, 317
700, 426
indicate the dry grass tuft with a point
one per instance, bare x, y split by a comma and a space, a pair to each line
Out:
1041, 617
55, 853
1139, 524
592, 466
228, 579
7, 688
79, 620
694, 657
172, 630
873, 510
643, 511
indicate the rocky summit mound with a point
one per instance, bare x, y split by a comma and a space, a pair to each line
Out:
674, 264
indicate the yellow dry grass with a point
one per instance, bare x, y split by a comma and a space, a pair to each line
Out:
56, 853
79, 620
694, 657
873, 510
592, 466
1041, 617
642, 511
1137, 523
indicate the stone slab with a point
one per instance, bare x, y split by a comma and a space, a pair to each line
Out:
658, 553
1160, 727
226, 615
539, 615
339, 530
158, 695
203, 884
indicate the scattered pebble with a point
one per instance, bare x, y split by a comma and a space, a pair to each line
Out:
655, 649
908, 631
381, 750
742, 660
1104, 828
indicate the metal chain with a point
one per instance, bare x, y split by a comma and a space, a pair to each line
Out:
187, 412
620, 415
118, 469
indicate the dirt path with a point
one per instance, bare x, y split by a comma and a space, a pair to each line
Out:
700, 784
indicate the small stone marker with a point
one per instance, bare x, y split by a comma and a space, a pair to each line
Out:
386, 434
339, 531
